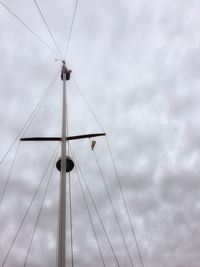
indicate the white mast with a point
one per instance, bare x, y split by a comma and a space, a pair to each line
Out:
62, 202
65, 164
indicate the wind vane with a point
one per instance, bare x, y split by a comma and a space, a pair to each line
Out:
64, 164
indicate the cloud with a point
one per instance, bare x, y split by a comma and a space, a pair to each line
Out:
137, 64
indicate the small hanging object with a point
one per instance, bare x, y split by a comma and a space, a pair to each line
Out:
93, 144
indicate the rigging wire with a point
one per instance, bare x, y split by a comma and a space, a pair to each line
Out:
116, 173
71, 27
90, 217
87, 103
95, 207
40, 104
112, 205
41, 207
48, 28
28, 28
125, 204
28, 209
25, 127
71, 221
9, 174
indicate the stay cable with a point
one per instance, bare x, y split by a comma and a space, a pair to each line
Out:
28, 28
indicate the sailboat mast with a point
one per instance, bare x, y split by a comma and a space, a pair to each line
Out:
65, 74
64, 165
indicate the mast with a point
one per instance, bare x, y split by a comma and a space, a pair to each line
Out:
64, 164
65, 75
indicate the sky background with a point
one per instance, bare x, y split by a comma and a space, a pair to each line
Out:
137, 63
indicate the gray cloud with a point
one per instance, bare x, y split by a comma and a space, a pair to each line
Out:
137, 63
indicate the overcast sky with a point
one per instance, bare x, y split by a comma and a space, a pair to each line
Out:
137, 63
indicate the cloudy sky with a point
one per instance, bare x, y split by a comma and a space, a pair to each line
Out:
137, 63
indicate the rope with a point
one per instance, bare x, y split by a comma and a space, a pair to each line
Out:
9, 174
48, 29
71, 27
26, 213
96, 209
90, 217
116, 173
40, 210
28, 28
113, 209
31, 116
71, 221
